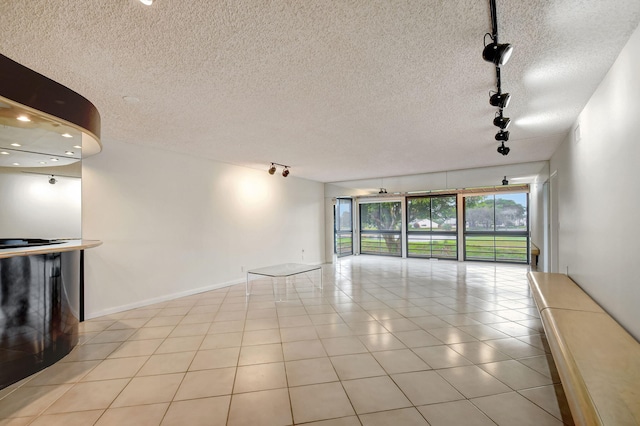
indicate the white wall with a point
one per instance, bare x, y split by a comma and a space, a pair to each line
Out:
174, 224
598, 178
454, 179
33, 208
536, 217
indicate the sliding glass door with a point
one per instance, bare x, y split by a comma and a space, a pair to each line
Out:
497, 228
343, 227
491, 227
381, 228
432, 227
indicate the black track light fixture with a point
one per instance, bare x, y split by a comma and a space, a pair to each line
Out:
501, 121
502, 136
500, 100
505, 182
285, 169
504, 150
382, 191
497, 53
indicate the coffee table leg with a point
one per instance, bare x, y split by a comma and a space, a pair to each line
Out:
274, 284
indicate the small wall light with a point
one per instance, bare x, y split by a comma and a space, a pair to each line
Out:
285, 171
382, 191
52, 180
505, 181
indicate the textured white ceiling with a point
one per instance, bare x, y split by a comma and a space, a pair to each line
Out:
339, 90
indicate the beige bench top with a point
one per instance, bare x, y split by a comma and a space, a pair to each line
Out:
598, 361
535, 250
559, 291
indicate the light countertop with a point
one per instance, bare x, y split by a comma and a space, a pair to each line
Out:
67, 245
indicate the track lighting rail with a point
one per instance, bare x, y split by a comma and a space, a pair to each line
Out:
285, 171
498, 54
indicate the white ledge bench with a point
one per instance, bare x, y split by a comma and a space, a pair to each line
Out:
598, 361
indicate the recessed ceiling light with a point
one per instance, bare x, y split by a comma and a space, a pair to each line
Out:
4, 153
77, 147
147, 2
15, 144
130, 99
54, 159
66, 135
23, 118
43, 162
16, 164
69, 152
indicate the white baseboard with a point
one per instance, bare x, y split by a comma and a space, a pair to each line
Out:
147, 302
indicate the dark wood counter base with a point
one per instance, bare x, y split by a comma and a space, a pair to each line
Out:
39, 311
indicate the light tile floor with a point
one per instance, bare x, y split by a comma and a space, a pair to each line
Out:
386, 342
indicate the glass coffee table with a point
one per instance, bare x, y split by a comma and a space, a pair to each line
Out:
283, 271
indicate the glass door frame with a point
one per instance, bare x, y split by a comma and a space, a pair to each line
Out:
493, 234
409, 232
401, 233
340, 233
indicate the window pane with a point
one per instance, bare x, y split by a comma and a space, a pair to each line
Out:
480, 248
511, 212
343, 227
498, 228
386, 244
380, 225
344, 243
430, 218
428, 245
479, 213
381, 216
511, 249
344, 215
443, 213
419, 211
